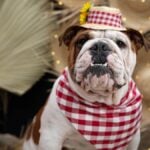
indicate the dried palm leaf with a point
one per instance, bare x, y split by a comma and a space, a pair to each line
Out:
24, 38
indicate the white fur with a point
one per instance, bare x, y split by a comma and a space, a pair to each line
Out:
55, 127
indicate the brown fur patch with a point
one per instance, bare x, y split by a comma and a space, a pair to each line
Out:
29, 132
136, 38
133, 47
36, 127
33, 130
73, 51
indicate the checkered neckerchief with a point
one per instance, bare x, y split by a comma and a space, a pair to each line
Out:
106, 127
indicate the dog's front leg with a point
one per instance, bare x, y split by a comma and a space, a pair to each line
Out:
134, 144
55, 128
50, 141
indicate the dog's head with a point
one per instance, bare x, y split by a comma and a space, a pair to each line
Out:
101, 61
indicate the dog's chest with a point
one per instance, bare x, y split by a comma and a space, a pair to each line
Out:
103, 126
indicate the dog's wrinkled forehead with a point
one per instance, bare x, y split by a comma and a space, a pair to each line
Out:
108, 34
92, 34
115, 36
79, 35
100, 38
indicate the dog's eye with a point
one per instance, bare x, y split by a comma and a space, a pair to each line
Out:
121, 44
81, 42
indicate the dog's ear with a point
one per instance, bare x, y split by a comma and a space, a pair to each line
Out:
147, 40
137, 39
68, 35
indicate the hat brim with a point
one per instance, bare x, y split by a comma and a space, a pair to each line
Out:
102, 27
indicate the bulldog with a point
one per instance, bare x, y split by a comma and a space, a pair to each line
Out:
99, 72
95, 95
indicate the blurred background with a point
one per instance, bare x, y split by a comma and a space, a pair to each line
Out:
17, 111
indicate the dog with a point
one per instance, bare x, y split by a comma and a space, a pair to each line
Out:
95, 95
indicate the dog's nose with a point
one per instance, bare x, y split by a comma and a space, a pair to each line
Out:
99, 52
100, 46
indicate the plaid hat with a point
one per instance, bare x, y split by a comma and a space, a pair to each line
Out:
101, 17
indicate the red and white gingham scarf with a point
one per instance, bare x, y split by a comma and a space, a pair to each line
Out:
106, 127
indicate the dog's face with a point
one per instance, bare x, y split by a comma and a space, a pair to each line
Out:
101, 61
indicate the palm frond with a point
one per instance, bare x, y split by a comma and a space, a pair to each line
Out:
24, 37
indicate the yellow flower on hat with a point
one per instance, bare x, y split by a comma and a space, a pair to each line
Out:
85, 7
83, 17
84, 12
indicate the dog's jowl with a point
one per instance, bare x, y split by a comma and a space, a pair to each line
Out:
95, 95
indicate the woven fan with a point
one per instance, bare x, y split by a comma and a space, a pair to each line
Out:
24, 38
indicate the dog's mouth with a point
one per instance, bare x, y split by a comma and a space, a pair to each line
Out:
98, 78
98, 70
101, 78
100, 65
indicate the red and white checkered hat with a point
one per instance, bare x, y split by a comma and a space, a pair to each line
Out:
103, 17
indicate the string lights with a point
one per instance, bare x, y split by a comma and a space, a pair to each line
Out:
52, 53
56, 36
57, 62
60, 3
143, 1
124, 19
137, 77
141, 31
